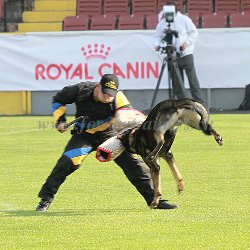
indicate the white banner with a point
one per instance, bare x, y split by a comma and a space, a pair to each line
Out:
49, 61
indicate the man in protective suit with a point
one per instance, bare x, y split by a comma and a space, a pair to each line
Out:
97, 102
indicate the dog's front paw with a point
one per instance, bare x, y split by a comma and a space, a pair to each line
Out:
180, 185
153, 205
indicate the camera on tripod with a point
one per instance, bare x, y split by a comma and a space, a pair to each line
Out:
170, 55
169, 14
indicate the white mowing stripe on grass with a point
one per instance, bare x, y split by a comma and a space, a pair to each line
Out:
5, 207
23, 131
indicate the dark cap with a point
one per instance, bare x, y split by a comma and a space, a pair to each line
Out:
110, 84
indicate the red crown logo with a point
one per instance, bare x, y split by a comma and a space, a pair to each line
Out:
96, 51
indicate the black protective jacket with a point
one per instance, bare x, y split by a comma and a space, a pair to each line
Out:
99, 115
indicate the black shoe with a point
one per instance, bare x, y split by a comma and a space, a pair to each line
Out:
164, 205
43, 205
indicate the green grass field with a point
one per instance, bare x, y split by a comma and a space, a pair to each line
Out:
97, 208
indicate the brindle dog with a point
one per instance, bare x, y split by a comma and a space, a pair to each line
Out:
155, 136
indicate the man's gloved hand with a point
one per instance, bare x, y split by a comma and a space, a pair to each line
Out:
61, 127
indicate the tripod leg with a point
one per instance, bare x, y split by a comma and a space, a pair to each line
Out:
170, 80
158, 83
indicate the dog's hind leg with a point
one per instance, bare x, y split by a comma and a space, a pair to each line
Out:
194, 120
156, 179
190, 118
209, 130
175, 170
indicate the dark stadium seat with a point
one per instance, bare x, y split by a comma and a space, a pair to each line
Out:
76, 23
131, 22
151, 21
245, 5
89, 7
103, 23
196, 18
227, 6
144, 7
214, 20
240, 20
179, 4
1, 9
117, 7
199, 7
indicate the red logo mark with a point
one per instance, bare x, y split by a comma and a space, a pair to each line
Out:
96, 51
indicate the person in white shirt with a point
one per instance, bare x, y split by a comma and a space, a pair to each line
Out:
184, 46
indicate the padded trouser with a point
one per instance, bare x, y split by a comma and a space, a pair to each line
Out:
78, 148
62, 169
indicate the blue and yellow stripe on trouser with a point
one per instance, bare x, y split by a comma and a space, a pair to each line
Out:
77, 155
